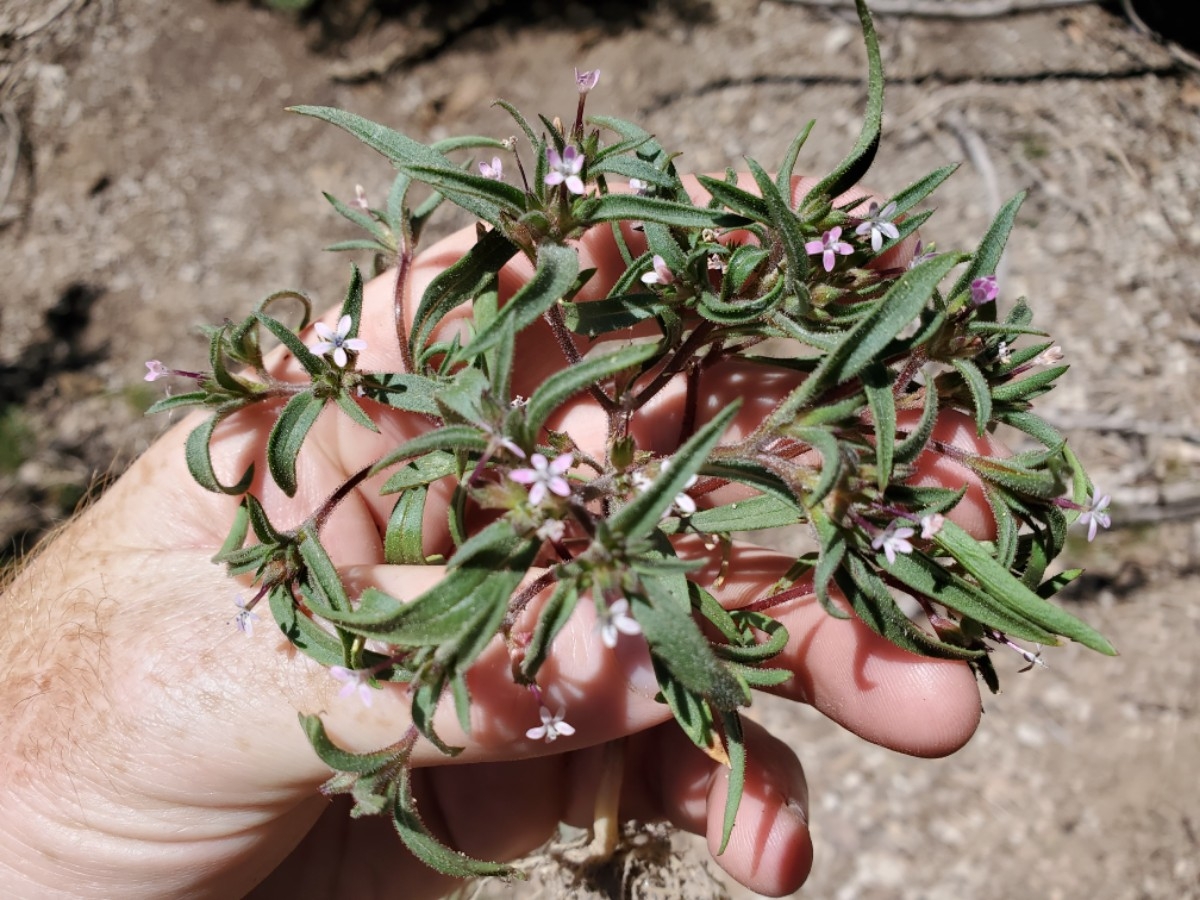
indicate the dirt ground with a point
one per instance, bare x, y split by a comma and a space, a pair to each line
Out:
150, 182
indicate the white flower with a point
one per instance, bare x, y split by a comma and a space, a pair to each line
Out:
354, 681
360, 198
893, 540
1051, 356
1095, 517
683, 501
878, 224
931, 525
552, 726
337, 341
617, 621
638, 186
552, 530
585, 81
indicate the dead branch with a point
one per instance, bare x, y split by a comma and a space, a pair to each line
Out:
947, 9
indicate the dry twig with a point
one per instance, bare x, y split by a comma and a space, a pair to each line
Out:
947, 9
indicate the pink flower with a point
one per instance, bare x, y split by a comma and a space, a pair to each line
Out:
828, 247
552, 726
156, 370
984, 290
545, 476
617, 621
659, 274
337, 341
893, 540
493, 170
354, 681
1094, 516
565, 169
878, 224
585, 81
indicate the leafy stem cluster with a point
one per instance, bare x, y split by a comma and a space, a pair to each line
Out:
877, 352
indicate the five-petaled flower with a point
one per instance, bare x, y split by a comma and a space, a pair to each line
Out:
585, 81
545, 476
659, 273
893, 540
354, 681
984, 290
565, 169
931, 525
828, 247
878, 224
156, 370
337, 341
1094, 516
616, 621
246, 617
552, 726
493, 170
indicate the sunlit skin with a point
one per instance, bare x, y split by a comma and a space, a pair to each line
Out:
167, 744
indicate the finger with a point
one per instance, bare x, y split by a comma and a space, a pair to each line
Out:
770, 848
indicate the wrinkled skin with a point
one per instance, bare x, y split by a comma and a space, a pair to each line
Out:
154, 751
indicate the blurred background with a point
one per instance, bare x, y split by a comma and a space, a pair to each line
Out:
150, 182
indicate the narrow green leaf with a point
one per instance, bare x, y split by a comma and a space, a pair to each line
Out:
556, 270
321, 574
877, 382
356, 413
981, 394
313, 364
597, 317
1001, 584
361, 218
427, 469
566, 383
783, 178
787, 227
1026, 389
411, 393
740, 201
448, 437
305, 634
911, 446
459, 283
910, 196
851, 169
425, 847
747, 515
631, 167
553, 618
199, 461
642, 514
617, 207
450, 179
987, 257
735, 746
287, 437
179, 401
341, 760
402, 544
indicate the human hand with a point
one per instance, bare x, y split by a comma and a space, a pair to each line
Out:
165, 744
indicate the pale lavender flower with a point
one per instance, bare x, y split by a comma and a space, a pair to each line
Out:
1094, 516
828, 247
552, 726
921, 253
585, 81
716, 263
545, 476
878, 224
156, 370
616, 621
931, 525
639, 187
565, 169
354, 681
984, 290
246, 617
893, 540
659, 274
493, 170
360, 198
1003, 352
337, 340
